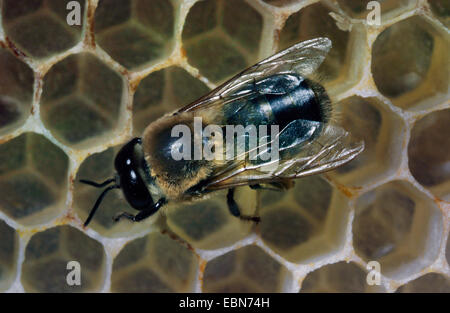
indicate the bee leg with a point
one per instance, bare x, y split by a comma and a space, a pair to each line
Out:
275, 186
125, 215
143, 214
259, 187
234, 208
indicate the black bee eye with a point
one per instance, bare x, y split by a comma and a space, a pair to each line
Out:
131, 182
125, 156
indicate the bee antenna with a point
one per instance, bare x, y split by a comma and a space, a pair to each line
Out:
97, 203
97, 185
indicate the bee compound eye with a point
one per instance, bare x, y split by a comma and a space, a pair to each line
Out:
135, 190
125, 158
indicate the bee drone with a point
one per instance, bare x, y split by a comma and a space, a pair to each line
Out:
276, 91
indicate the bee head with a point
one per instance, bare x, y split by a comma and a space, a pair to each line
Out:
128, 164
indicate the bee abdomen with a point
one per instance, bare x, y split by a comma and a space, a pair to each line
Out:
281, 99
302, 102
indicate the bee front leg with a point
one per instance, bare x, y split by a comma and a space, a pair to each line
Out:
143, 214
234, 208
123, 215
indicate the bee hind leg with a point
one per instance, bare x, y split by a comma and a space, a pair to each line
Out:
234, 208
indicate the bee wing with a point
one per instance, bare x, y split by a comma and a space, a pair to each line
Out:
302, 58
298, 158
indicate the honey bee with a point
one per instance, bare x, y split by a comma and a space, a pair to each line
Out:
278, 91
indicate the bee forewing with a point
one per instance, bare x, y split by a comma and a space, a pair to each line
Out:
333, 148
302, 58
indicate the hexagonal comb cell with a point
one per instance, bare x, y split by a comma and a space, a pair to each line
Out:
431, 282
135, 33
100, 167
164, 91
81, 100
338, 277
33, 179
47, 256
303, 25
393, 225
293, 222
382, 131
429, 153
8, 254
16, 91
208, 224
214, 42
39, 28
248, 269
155, 263
408, 59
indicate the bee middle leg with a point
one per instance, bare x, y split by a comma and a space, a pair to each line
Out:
143, 214
234, 208
259, 187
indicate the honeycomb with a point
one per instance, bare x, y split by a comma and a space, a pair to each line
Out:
70, 96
